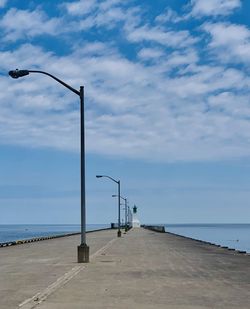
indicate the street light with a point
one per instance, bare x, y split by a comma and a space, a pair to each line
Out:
119, 201
83, 249
126, 211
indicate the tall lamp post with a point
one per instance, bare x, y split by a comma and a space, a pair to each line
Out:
126, 211
83, 249
119, 201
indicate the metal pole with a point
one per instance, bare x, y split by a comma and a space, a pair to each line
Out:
82, 154
126, 219
119, 209
83, 249
128, 216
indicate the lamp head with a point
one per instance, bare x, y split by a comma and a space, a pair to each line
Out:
98, 176
18, 73
114, 195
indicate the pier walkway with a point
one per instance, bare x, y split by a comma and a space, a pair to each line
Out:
142, 269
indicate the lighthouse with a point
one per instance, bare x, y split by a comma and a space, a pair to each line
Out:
135, 221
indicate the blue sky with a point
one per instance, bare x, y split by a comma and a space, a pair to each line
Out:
167, 109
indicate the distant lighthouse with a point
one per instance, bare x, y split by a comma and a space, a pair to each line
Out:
135, 221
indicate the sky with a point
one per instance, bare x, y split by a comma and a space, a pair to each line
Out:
167, 110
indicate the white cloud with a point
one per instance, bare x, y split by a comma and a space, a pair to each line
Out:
150, 53
3, 3
167, 106
107, 13
178, 61
94, 49
148, 113
80, 7
18, 24
109, 18
213, 7
169, 16
183, 57
230, 42
81, 16
230, 103
83, 7
171, 38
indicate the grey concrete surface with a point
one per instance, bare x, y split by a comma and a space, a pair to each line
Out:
29, 268
143, 269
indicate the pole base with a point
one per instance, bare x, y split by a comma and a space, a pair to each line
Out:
83, 254
119, 233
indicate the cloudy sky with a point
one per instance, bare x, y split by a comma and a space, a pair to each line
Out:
167, 109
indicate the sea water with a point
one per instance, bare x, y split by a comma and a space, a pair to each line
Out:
11, 232
236, 236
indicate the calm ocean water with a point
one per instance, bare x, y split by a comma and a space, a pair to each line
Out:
235, 236
25, 231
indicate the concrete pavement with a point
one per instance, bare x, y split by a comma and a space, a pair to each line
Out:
143, 269
30, 268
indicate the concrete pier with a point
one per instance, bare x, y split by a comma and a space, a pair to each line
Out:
142, 269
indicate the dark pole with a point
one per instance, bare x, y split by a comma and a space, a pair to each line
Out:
119, 201
83, 249
126, 209
119, 209
126, 214
82, 150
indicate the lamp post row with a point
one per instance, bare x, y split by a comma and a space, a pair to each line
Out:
126, 211
118, 199
83, 249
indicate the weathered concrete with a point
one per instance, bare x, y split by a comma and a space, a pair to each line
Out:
142, 269
29, 268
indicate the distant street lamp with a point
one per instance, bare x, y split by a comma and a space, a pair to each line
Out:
119, 201
126, 211
83, 249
